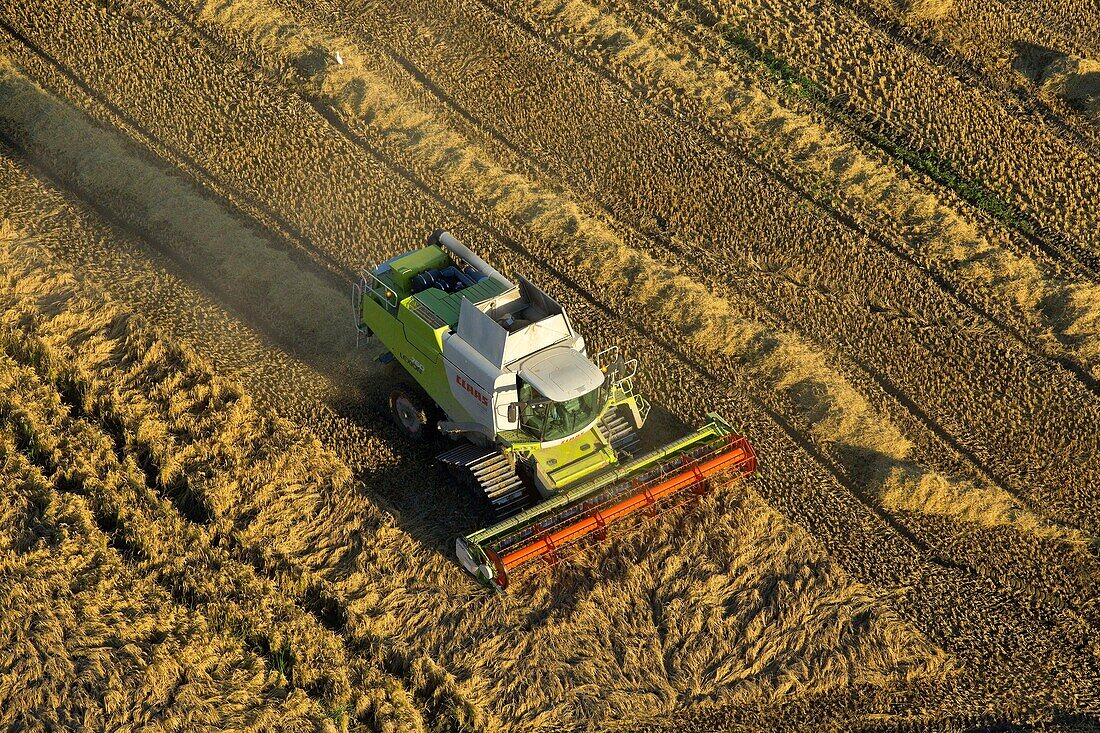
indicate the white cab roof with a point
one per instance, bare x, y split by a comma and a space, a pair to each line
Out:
561, 373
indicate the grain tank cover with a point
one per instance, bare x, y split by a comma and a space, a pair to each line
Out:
506, 329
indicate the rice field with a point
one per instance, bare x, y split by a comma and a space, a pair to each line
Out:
865, 231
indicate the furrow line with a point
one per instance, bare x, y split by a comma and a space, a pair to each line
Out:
748, 287
866, 129
248, 205
966, 71
830, 207
334, 119
717, 378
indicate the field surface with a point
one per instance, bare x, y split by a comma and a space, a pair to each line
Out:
866, 231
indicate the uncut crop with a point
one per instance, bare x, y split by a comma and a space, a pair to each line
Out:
257, 531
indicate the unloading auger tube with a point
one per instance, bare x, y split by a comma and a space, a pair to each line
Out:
574, 521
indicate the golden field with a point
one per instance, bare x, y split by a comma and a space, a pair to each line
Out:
865, 230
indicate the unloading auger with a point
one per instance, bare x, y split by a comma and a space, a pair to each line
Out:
547, 435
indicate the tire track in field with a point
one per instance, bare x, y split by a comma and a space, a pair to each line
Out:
968, 72
474, 220
636, 88
320, 268
1055, 246
394, 662
233, 197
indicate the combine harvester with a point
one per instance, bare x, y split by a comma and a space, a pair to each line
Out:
546, 434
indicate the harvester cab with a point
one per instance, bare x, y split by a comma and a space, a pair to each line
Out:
546, 434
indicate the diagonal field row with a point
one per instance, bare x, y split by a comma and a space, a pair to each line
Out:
726, 103
994, 63
1080, 564
930, 322
993, 34
927, 108
909, 105
351, 192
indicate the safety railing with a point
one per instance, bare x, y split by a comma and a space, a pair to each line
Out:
362, 332
620, 371
369, 283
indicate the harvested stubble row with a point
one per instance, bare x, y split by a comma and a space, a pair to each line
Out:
992, 507
822, 288
729, 99
1001, 36
923, 105
595, 250
406, 603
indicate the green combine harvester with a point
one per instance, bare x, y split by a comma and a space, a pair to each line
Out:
546, 434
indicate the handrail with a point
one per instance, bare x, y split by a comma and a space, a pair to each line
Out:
389, 297
620, 372
361, 329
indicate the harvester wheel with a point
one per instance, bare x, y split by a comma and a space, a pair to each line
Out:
410, 412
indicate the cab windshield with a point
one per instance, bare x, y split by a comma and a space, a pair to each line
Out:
548, 420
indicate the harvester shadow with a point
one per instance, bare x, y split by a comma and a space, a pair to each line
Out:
420, 494
414, 487
1032, 59
428, 503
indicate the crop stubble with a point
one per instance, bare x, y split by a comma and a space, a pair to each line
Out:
386, 147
